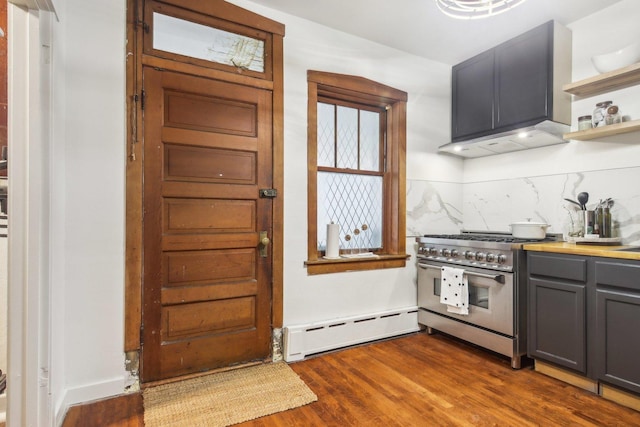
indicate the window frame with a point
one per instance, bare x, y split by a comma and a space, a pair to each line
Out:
342, 88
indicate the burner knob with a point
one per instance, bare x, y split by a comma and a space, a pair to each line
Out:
470, 255
446, 252
502, 258
480, 256
491, 257
454, 253
433, 251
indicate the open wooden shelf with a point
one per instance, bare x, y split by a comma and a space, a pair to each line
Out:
604, 131
605, 82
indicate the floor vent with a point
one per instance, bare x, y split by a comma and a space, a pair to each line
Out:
304, 340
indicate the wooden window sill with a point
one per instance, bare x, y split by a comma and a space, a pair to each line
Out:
326, 266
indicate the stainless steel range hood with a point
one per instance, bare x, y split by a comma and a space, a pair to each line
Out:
540, 135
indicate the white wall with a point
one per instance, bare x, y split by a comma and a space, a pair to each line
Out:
87, 200
308, 46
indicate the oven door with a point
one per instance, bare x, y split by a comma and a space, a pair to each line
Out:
490, 296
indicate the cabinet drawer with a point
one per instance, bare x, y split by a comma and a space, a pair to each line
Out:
557, 266
619, 274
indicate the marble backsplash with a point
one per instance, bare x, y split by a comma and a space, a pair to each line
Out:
433, 207
437, 207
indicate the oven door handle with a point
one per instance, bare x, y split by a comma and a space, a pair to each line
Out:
497, 277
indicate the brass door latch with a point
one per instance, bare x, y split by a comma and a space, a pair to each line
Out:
264, 242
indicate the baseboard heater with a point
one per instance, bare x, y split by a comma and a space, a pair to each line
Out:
301, 341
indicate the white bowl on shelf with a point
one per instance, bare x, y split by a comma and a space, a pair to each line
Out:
618, 59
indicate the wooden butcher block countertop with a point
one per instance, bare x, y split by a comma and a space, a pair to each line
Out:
589, 250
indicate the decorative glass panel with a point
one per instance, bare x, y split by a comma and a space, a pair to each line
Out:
187, 38
355, 203
347, 124
369, 140
326, 135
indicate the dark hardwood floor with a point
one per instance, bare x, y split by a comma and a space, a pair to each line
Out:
417, 380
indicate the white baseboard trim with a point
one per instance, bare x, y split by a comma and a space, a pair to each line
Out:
301, 341
88, 393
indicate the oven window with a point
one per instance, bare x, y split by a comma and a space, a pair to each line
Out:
477, 296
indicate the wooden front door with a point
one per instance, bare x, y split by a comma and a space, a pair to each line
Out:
207, 272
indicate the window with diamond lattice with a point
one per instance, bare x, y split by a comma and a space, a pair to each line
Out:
350, 176
356, 164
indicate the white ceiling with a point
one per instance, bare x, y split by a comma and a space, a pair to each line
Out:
418, 26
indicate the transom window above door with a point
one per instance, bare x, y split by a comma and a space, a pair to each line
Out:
179, 34
187, 38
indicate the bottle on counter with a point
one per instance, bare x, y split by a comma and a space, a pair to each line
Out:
603, 222
605, 226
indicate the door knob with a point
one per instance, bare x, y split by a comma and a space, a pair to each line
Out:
264, 242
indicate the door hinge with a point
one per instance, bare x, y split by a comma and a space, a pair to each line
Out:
141, 335
144, 25
142, 99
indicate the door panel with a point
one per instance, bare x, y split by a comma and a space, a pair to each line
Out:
206, 290
209, 114
186, 321
206, 267
210, 164
203, 215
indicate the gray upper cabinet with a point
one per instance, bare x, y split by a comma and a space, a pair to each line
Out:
514, 85
523, 73
473, 96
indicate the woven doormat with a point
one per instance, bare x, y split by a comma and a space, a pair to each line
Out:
226, 398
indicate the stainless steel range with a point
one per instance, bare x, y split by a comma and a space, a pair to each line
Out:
494, 266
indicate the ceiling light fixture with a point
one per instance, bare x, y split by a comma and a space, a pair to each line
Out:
474, 9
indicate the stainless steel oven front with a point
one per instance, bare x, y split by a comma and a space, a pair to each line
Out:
491, 322
490, 296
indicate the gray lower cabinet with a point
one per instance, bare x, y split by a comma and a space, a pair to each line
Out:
618, 323
557, 310
584, 314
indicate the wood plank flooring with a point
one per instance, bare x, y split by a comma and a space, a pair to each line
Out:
417, 380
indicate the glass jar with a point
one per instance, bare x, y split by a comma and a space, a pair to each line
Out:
613, 116
600, 113
584, 122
